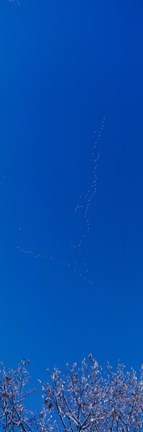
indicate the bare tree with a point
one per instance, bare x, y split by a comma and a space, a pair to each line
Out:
14, 413
89, 399
85, 398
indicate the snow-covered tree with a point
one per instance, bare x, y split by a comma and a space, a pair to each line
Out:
89, 399
84, 398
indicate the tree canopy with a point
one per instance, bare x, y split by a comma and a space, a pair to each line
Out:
84, 398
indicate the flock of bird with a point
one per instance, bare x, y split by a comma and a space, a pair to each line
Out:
86, 201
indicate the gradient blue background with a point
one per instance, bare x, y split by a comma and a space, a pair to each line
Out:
63, 66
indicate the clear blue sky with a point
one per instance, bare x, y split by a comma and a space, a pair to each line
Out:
64, 65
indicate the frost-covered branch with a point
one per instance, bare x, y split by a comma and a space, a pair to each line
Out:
85, 398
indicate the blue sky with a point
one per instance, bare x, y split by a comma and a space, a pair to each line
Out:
64, 67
